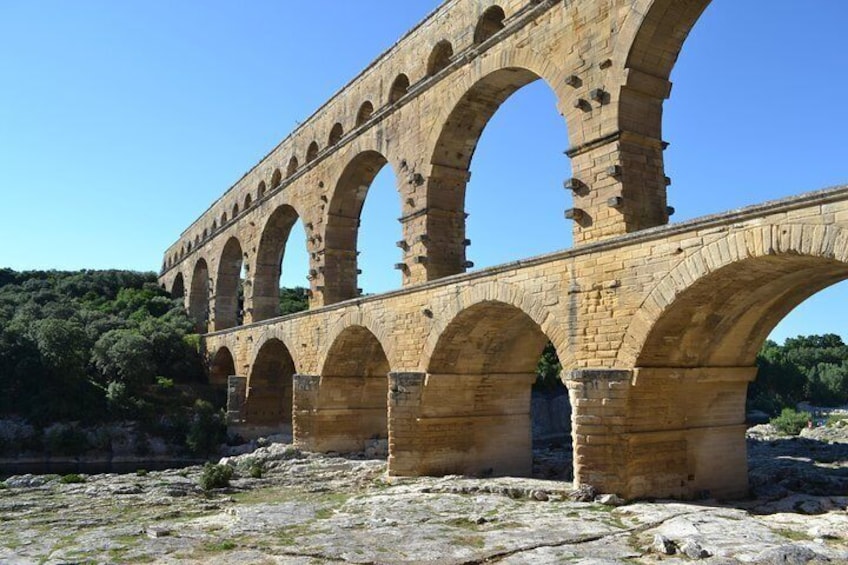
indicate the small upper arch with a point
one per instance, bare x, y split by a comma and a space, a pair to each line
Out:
276, 179
399, 88
440, 57
312, 152
335, 134
260, 190
490, 23
365, 112
292, 167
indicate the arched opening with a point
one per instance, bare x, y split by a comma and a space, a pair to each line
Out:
178, 287
268, 402
352, 395
222, 368
312, 152
248, 201
277, 178
335, 134
478, 393
235, 210
364, 113
694, 366
223, 219
205, 233
504, 133
342, 233
697, 120
227, 311
292, 167
490, 23
198, 300
399, 88
214, 226
440, 57
260, 190
269, 263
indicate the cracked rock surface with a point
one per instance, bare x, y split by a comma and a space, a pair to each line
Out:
310, 508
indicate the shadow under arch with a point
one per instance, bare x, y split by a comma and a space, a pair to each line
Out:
221, 367
178, 287
265, 301
198, 298
476, 396
349, 412
451, 159
694, 344
268, 401
228, 280
342, 225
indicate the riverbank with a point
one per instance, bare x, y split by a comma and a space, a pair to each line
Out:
310, 508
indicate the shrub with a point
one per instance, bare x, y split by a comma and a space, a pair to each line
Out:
65, 439
141, 473
256, 469
207, 430
791, 422
215, 476
71, 478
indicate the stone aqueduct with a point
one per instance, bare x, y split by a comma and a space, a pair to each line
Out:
657, 326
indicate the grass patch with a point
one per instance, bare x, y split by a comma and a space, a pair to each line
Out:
478, 542
793, 535
71, 478
226, 545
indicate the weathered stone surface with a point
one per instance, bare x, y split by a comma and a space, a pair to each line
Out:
309, 507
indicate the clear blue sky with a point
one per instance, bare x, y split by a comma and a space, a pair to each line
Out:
120, 122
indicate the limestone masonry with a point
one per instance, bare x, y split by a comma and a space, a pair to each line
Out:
657, 326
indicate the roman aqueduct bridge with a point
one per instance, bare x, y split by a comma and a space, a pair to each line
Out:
657, 325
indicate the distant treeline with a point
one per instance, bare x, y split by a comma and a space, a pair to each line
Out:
812, 368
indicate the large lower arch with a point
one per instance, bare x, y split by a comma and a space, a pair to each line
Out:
694, 345
342, 226
198, 298
472, 414
451, 159
268, 401
348, 411
265, 301
227, 286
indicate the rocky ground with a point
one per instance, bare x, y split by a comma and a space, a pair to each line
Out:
309, 508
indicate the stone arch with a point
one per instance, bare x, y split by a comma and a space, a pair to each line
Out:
178, 287
260, 190
214, 226
747, 282
353, 388
265, 301
440, 57
223, 219
198, 298
312, 152
694, 343
365, 112
222, 367
292, 166
399, 88
452, 149
268, 401
248, 201
342, 225
277, 178
478, 392
496, 292
360, 319
228, 281
235, 210
490, 23
335, 134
